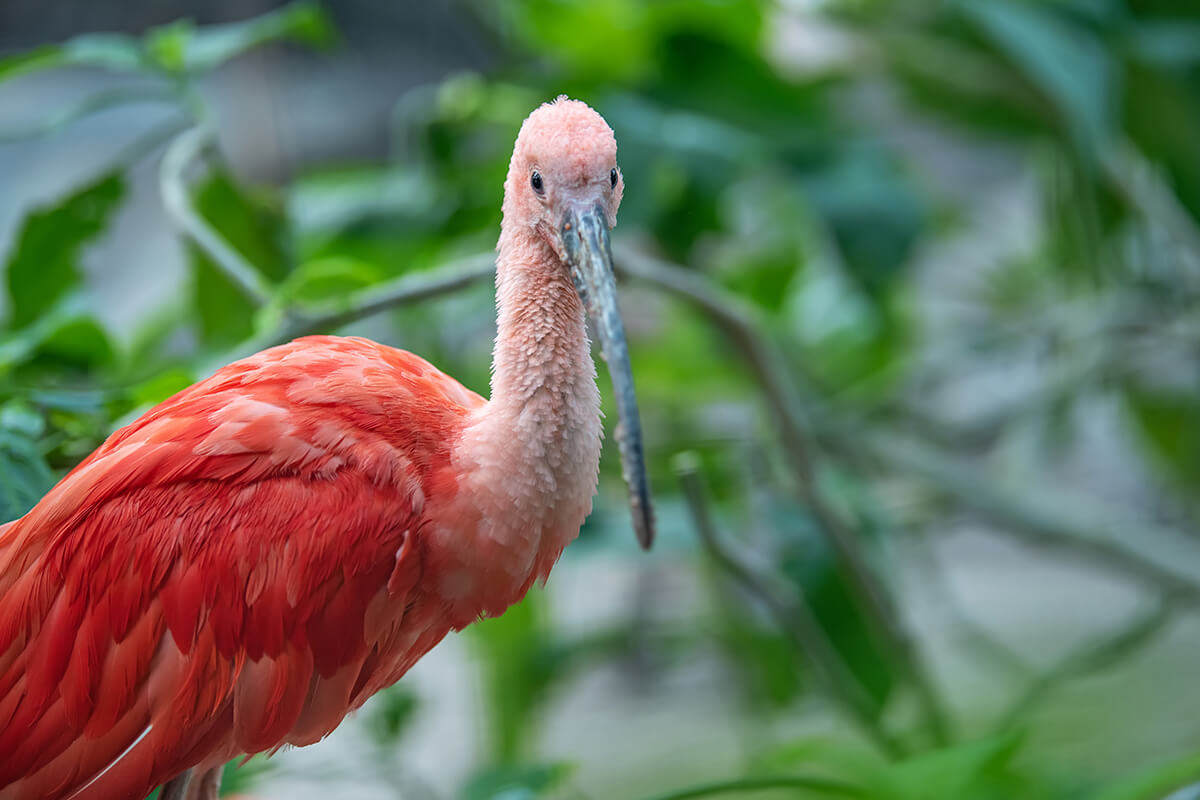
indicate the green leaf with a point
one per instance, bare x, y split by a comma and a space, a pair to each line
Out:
1162, 116
183, 47
953, 773
759, 258
1155, 782
104, 50
1065, 60
835, 755
253, 224
1170, 43
520, 661
390, 713
624, 38
238, 776
66, 333
167, 45
43, 266
328, 280
24, 475
978, 770
971, 770
1170, 425
22, 419
328, 201
524, 782
873, 211
160, 387
80, 341
241, 775
617, 45
70, 401
807, 560
772, 673
807, 786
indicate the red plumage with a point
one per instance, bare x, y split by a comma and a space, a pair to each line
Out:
257, 521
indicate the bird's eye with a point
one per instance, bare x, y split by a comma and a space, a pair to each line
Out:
612, 178
535, 180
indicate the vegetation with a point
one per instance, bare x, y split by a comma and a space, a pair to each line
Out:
811, 285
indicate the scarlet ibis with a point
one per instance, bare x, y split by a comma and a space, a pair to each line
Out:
255, 557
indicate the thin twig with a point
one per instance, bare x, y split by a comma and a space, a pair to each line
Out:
738, 322
173, 184
406, 289
788, 608
1090, 657
990, 650
396, 293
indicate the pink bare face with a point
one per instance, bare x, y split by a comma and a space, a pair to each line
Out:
565, 158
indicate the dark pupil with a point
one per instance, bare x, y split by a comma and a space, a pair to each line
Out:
535, 180
612, 178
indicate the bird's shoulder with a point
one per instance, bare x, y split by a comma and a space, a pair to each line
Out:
321, 370
318, 378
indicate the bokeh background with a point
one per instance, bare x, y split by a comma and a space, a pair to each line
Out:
912, 297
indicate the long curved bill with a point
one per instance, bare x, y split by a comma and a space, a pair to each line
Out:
589, 255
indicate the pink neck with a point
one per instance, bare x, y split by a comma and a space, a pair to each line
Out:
527, 461
543, 419
541, 336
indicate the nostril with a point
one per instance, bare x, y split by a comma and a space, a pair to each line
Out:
572, 231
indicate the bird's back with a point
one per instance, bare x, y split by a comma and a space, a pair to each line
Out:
227, 574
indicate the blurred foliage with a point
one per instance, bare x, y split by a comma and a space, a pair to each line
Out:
520, 663
256, 228
793, 156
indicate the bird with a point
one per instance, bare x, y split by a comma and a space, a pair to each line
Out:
249, 561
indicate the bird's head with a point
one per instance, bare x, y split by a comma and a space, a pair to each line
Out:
564, 187
564, 165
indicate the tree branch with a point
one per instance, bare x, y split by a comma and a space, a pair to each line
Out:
396, 293
173, 184
1093, 656
990, 650
411, 288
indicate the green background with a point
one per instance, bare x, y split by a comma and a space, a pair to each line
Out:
911, 291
